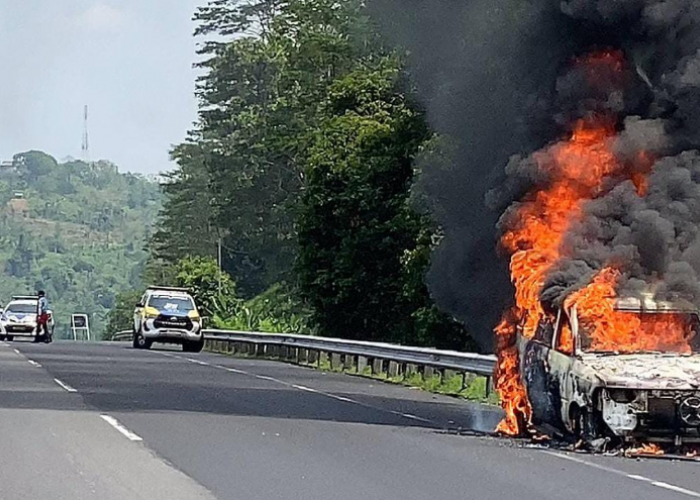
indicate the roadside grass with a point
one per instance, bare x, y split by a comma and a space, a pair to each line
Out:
468, 386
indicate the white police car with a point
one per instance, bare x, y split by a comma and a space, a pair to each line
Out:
168, 315
20, 317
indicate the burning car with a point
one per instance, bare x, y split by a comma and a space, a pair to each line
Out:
629, 371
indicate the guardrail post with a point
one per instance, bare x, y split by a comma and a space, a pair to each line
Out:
393, 369
489, 386
322, 358
349, 362
428, 373
361, 364
377, 366
335, 361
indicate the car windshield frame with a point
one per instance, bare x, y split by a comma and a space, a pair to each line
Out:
161, 301
693, 340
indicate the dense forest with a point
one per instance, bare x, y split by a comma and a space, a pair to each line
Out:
301, 170
76, 230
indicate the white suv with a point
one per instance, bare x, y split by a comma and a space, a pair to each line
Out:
168, 315
19, 319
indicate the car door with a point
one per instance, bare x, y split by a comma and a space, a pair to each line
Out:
536, 372
561, 362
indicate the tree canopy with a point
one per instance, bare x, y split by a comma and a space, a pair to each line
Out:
302, 164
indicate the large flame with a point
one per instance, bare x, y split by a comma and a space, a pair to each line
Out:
575, 169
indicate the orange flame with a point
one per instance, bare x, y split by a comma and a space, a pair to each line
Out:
577, 168
608, 329
645, 449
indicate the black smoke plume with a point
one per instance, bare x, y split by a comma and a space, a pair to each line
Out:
499, 79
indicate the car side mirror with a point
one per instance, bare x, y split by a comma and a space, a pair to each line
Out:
139, 305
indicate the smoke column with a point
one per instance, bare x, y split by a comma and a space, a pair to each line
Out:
499, 78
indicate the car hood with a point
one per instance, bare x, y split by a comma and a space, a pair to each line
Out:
647, 371
19, 317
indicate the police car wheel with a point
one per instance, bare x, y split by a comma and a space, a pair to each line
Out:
140, 342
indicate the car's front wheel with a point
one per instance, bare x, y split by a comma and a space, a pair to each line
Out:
140, 342
588, 428
10, 338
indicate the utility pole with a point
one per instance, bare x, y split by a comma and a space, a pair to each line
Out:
86, 137
220, 265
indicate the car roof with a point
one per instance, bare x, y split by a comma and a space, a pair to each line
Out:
23, 302
649, 304
160, 293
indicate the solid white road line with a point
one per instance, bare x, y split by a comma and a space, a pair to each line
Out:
64, 386
126, 432
635, 477
33, 363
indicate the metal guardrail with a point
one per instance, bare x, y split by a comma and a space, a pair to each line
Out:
289, 346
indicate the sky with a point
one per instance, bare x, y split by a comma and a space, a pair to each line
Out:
130, 61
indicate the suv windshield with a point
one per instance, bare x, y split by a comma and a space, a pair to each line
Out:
641, 332
172, 304
21, 309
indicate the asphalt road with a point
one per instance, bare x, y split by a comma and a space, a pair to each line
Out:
108, 422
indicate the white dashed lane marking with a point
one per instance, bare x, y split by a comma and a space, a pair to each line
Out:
635, 477
64, 385
33, 363
123, 430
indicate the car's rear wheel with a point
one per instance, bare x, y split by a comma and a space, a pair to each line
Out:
10, 338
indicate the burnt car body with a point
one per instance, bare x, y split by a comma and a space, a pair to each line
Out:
640, 396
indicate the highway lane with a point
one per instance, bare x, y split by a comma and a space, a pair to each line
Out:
53, 447
251, 429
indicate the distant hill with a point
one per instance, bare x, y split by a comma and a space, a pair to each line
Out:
74, 229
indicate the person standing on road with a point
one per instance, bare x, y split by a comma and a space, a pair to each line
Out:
42, 317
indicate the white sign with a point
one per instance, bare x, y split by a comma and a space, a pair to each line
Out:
80, 324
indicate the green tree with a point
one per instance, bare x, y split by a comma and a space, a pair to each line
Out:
362, 246
121, 317
213, 290
259, 100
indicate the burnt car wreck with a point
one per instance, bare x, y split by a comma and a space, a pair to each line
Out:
604, 390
